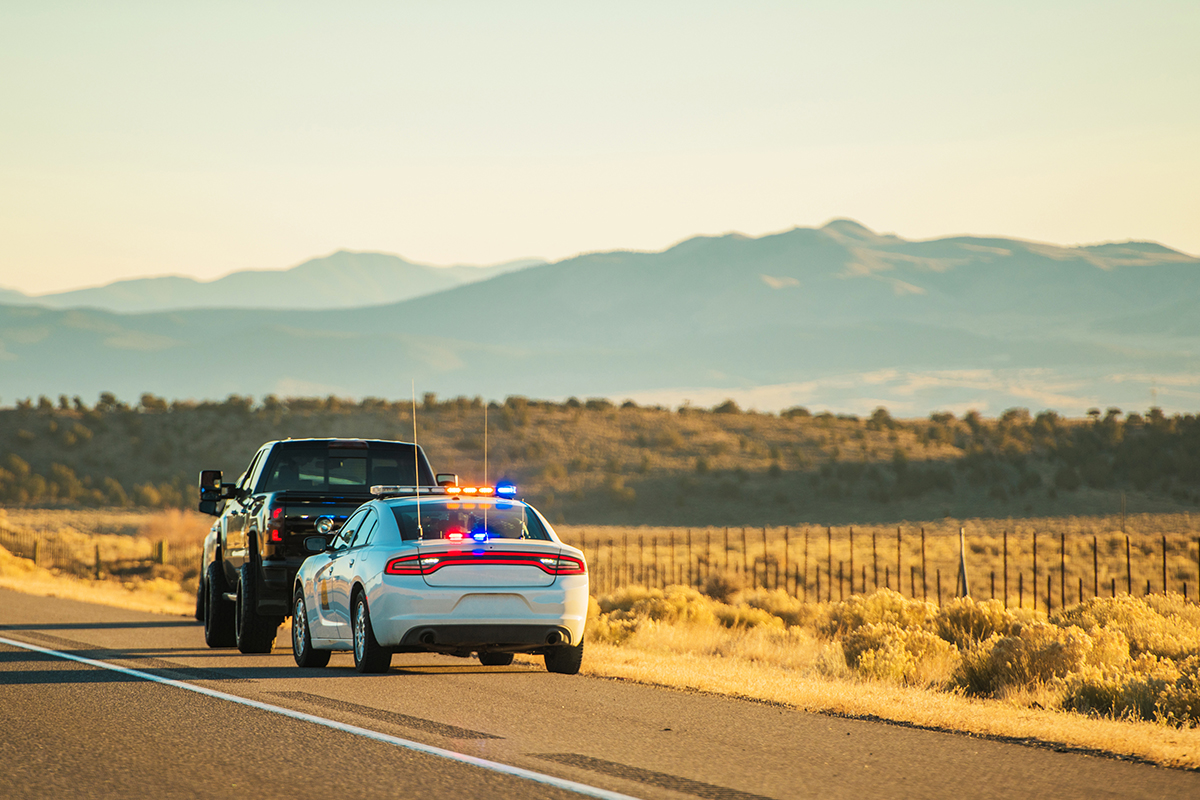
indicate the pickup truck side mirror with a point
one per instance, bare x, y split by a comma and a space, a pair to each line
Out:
209, 507
447, 479
211, 487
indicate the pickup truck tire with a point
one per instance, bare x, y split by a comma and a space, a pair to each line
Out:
255, 633
495, 659
218, 612
302, 649
565, 659
368, 655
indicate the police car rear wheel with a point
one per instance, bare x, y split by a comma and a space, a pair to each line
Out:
565, 659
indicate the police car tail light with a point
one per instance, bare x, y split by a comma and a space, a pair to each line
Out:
564, 565
404, 565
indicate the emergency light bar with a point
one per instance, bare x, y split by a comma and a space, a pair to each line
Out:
506, 490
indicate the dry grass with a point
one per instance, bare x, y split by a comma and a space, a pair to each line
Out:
156, 595
738, 677
1119, 676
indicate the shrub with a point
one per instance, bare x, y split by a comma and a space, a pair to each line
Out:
745, 617
1035, 653
883, 606
904, 655
722, 585
779, 603
1173, 632
966, 622
673, 605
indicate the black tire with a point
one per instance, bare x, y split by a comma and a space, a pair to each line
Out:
218, 612
495, 659
369, 657
200, 599
302, 649
254, 632
565, 659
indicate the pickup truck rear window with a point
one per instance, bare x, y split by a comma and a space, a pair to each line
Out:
322, 469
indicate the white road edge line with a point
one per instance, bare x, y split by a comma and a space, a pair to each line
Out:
494, 766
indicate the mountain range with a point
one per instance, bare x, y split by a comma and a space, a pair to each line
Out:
836, 317
343, 279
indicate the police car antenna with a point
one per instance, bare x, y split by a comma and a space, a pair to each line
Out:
416, 462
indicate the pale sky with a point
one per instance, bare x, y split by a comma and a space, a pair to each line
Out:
203, 138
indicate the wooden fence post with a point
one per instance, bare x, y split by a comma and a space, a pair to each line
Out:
874, 562
1095, 570
641, 565
1020, 590
745, 556
690, 582
1062, 569
657, 572
939, 587
1164, 563
766, 563
97, 562
1006, 567
1035, 574
806, 566
829, 565
852, 560
899, 568
787, 545
1128, 569
924, 586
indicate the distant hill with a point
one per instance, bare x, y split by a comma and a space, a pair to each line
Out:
839, 317
342, 280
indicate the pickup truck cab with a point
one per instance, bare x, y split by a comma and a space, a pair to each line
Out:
293, 490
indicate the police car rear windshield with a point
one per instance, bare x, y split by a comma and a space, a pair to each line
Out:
470, 521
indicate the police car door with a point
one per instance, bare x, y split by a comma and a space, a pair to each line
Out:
333, 618
343, 569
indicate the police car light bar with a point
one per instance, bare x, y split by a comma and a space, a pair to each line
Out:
506, 490
384, 490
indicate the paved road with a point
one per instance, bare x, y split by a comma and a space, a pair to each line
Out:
79, 730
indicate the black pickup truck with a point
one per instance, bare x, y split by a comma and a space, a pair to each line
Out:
293, 490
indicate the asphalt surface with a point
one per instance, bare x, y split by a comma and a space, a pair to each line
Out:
76, 730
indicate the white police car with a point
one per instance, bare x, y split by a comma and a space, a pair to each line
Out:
452, 569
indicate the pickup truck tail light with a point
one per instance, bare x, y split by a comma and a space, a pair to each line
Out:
275, 525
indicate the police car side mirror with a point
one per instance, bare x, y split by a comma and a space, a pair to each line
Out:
315, 544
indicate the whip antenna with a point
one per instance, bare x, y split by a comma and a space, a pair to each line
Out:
416, 462
485, 481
